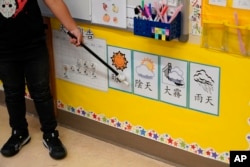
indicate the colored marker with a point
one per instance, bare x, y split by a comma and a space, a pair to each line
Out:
163, 12
159, 16
148, 12
142, 4
150, 8
143, 12
177, 10
137, 12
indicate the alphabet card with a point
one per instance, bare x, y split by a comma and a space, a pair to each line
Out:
109, 12
145, 75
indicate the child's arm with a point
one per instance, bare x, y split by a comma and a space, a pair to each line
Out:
62, 13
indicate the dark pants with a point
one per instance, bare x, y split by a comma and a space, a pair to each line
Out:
32, 68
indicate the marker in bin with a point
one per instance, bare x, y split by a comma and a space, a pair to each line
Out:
161, 9
161, 14
138, 12
147, 11
157, 13
177, 10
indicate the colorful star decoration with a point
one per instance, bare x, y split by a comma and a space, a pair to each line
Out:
151, 134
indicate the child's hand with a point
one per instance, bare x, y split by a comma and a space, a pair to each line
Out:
78, 37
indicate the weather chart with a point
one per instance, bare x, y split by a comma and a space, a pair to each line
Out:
177, 82
172, 81
160, 78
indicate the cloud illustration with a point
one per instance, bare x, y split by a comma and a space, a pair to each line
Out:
144, 72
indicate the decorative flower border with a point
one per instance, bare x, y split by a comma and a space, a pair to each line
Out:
150, 134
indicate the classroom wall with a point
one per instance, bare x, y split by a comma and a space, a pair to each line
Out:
208, 135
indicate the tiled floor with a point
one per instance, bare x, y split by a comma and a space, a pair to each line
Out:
83, 151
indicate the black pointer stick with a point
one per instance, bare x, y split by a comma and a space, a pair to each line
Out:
120, 77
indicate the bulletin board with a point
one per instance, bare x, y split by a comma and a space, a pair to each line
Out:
184, 124
196, 122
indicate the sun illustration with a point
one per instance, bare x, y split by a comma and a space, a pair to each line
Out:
148, 63
119, 60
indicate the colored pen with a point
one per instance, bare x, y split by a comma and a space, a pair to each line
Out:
177, 10
163, 12
165, 17
148, 12
150, 8
158, 17
142, 4
143, 12
137, 11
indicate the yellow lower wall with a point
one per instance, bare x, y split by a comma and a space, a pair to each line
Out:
203, 134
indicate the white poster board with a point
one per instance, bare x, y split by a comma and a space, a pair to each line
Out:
79, 9
77, 65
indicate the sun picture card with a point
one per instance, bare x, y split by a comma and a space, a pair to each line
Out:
145, 69
109, 12
120, 60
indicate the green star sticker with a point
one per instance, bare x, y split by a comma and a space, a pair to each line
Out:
183, 144
221, 158
162, 139
104, 119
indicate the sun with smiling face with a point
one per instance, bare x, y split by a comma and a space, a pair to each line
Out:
119, 60
148, 63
